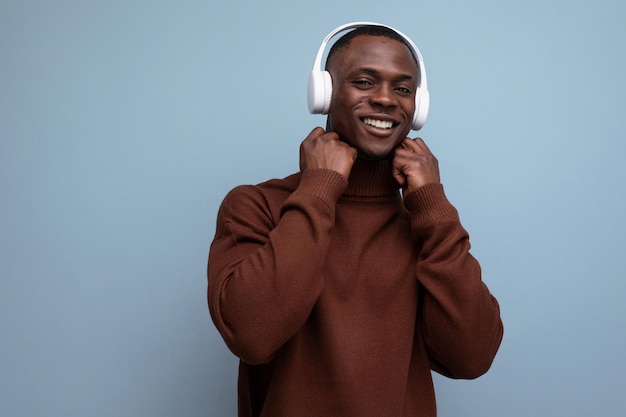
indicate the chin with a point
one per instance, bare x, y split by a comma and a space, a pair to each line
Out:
378, 156
383, 151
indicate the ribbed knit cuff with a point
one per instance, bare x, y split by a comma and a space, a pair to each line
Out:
326, 184
427, 204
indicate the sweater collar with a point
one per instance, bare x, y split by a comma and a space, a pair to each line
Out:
372, 179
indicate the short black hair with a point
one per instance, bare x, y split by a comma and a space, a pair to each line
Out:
372, 30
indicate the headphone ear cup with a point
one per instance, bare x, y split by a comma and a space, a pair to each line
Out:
422, 103
319, 92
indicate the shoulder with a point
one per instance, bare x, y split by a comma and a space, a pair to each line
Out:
269, 189
283, 186
266, 196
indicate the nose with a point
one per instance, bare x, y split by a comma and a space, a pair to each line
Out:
383, 96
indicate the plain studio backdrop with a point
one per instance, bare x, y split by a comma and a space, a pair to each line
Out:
124, 123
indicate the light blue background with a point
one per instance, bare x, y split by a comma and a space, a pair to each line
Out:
124, 123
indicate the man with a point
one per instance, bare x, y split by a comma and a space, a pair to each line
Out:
339, 292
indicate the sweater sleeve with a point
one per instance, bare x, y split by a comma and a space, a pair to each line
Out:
460, 318
265, 274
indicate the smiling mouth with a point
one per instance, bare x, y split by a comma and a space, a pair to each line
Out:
379, 124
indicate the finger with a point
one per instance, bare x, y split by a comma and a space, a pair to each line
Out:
403, 154
399, 176
421, 144
400, 160
331, 136
412, 145
318, 131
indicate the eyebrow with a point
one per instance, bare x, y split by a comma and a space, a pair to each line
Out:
372, 71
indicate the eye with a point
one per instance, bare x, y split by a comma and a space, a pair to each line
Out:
403, 90
362, 83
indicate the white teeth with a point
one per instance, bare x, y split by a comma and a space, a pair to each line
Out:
381, 124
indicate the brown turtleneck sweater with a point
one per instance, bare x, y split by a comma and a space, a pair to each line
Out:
339, 297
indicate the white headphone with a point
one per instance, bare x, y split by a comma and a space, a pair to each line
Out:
320, 82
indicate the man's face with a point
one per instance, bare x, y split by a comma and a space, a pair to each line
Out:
373, 100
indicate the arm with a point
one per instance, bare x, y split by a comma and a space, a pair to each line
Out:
265, 263
264, 278
460, 319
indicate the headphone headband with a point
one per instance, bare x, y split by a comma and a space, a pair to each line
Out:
320, 82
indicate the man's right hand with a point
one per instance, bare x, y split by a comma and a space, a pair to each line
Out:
323, 149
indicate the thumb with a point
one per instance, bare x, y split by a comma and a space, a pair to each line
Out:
398, 175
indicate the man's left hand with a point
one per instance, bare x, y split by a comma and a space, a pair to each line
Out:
414, 165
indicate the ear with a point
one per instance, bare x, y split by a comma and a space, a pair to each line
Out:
422, 103
320, 92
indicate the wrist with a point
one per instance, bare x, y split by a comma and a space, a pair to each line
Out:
427, 203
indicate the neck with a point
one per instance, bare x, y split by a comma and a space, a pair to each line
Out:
372, 178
